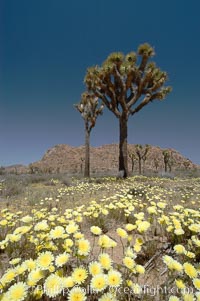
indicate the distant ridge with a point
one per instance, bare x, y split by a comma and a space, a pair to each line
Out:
15, 168
104, 159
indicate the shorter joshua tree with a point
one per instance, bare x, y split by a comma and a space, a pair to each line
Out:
89, 108
2, 170
141, 152
132, 156
166, 158
82, 160
31, 168
171, 162
144, 157
156, 163
186, 164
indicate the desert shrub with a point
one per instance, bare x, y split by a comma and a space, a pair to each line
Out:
50, 182
96, 180
34, 179
167, 175
12, 187
2, 170
66, 182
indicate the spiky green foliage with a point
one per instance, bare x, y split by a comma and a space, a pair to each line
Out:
142, 150
127, 83
89, 108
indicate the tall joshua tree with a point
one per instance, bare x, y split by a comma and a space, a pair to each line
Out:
90, 109
125, 84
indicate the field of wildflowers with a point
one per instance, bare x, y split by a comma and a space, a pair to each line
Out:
136, 239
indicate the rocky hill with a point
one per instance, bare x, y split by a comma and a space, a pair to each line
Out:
104, 160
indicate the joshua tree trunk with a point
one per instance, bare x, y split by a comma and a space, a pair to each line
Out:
140, 165
123, 151
133, 163
165, 166
144, 161
156, 164
87, 151
81, 165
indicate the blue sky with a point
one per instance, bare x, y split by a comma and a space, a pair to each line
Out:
45, 49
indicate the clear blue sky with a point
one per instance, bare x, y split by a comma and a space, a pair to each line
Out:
45, 48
